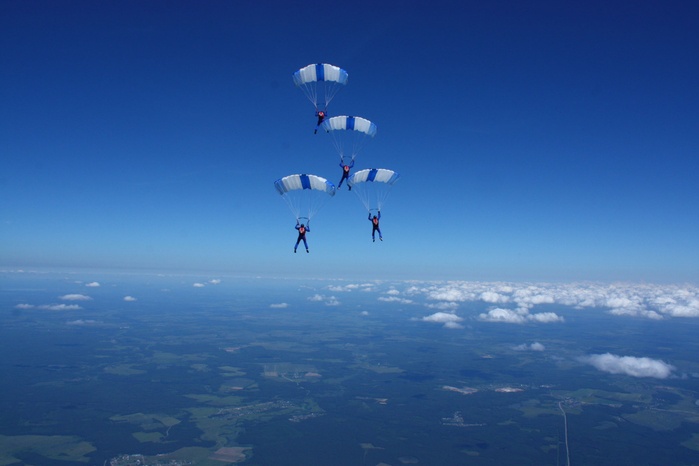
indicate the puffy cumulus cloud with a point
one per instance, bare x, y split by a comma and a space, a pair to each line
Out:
502, 315
395, 299
329, 300
451, 306
492, 297
60, 307
24, 306
536, 346
129, 298
451, 294
629, 365
393, 292
453, 325
332, 301
519, 316
279, 306
93, 284
545, 317
215, 281
81, 322
442, 318
75, 297
623, 299
198, 285
364, 313
343, 288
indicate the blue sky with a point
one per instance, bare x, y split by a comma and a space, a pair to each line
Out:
546, 141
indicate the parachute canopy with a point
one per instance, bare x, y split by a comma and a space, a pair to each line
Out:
350, 134
305, 194
372, 187
320, 83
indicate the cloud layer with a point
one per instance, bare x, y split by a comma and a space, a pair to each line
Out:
623, 299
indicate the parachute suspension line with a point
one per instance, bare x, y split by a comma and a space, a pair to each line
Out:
312, 94
337, 142
358, 144
331, 89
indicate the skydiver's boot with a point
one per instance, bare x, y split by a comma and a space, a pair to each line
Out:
316, 131
294, 251
381, 238
350, 188
307, 250
373, 240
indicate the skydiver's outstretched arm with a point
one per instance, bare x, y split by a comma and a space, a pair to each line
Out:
351, 164
379, 217
370, 216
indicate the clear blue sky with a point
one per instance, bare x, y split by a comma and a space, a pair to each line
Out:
536, 140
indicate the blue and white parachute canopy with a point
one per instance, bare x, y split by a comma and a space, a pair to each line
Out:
320, 82
349, 134
372, 186
305, 194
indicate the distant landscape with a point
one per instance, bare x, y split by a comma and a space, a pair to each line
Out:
224, 373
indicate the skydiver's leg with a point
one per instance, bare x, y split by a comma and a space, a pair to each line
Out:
305, 244
340, 183
297, 243
373, 231
380, 237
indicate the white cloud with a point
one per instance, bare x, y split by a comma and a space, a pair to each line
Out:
81, 322
129, 298
452, 306
393, 299
536, 346
449, 320
545, 317
279, 306
337, 288
442, 318
93, 284
629, 365
329, 301
453, 325
519, 316
393, 292
215, 281
198, 285
502, 315
492, 297
60, 307
622, 299
75, 297
364, 313
24, 306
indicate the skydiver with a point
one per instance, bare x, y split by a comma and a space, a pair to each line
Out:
375, 225
321, 118
302, 234
345, 172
